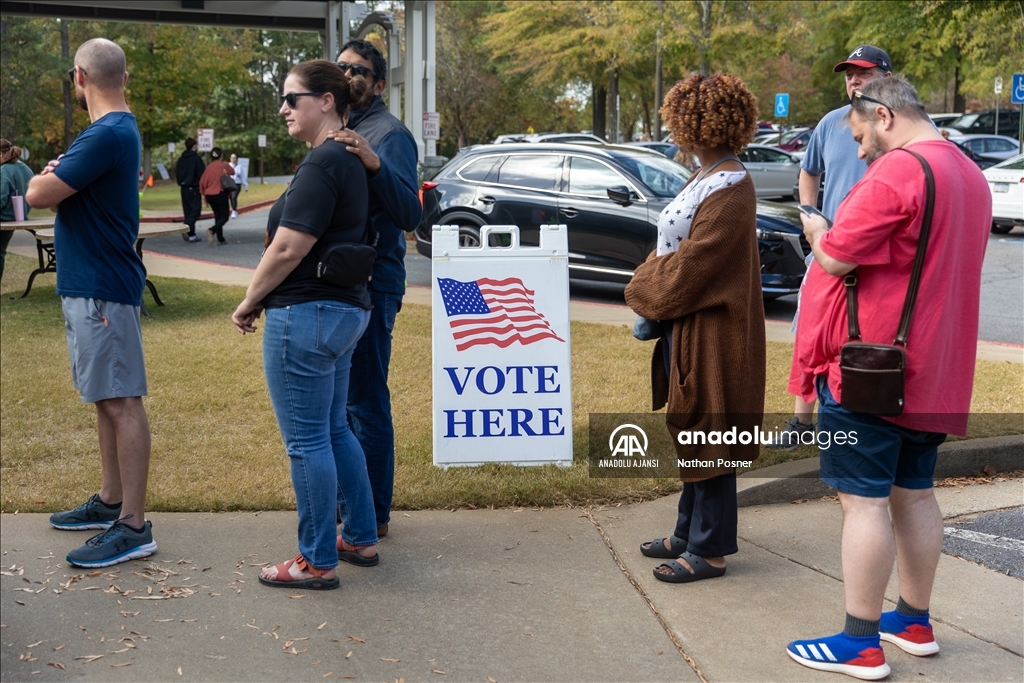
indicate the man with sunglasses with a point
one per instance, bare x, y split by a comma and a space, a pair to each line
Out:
831, 150
389, 153
93, 187
884, 475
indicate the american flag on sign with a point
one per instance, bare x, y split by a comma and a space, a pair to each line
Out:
498, 312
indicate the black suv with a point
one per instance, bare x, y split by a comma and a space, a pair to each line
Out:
609, 196
984, 123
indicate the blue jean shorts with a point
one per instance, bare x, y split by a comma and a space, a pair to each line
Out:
866, 456
105, 345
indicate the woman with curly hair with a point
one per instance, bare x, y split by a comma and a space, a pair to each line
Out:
703, 283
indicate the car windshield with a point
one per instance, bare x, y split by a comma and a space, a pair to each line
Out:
665, 178
965, 121
786, 137
1015, 164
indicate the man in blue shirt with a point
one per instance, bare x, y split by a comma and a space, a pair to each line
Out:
832, 149
93, 187
389, 153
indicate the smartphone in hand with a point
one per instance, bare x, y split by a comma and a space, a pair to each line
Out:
811, 211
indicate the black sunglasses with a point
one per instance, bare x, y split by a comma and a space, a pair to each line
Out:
290, 98
71, 72
861, 96
357, 69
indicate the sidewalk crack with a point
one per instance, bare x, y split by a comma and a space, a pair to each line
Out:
650, 604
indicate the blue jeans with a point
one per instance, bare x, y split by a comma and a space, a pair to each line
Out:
369, 403
307, 356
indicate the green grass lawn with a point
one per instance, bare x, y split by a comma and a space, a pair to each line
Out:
216, 445
165, 195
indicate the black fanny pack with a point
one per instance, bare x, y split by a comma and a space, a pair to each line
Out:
346, 265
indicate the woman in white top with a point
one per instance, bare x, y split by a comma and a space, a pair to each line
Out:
703, 283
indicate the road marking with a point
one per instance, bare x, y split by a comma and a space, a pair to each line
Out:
985, 539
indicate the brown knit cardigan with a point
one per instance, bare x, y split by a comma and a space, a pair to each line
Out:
711, 289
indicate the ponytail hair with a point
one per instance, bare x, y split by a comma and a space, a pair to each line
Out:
9, 152
321, 75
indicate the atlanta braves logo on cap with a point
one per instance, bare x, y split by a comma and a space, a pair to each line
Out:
866, 57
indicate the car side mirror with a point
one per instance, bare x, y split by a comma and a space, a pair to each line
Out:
620, 195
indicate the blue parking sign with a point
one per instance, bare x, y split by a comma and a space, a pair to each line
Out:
782, 104
1017, 93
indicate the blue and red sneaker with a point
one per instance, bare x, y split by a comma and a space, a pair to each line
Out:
860, 657
910, 634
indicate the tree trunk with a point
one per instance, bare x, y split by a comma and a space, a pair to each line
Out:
599, 104
704, 44
613, 107
65, 52
959, 102
147, 155
7, 130
657, 92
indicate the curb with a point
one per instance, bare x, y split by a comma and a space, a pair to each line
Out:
798, 479
178, 218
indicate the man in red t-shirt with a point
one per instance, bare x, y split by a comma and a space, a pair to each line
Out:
891, 461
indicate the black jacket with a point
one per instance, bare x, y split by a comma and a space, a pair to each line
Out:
190, 168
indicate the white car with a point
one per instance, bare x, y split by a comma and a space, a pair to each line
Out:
773, 171
1006, 181
998, 147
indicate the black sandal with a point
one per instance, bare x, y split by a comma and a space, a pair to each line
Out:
656, 548
680, 574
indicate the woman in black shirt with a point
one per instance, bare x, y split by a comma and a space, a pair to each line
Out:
312, 328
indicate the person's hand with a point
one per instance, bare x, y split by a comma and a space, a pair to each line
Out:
245, 316
357, 144
814, 227
51, 166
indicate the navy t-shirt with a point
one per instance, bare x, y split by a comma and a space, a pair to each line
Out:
96, 228
327, 199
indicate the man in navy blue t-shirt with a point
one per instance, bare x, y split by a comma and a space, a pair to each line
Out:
93, 187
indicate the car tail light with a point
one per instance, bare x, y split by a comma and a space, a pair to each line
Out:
427, 185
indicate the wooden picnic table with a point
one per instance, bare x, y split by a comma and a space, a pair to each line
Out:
43, 228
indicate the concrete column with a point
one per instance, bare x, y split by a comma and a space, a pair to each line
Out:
396, 74
430, 76
415, 67
337, 28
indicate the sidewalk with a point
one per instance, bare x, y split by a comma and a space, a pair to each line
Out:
479, 595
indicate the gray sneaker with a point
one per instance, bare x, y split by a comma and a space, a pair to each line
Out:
792, 437
117, 544
92, 514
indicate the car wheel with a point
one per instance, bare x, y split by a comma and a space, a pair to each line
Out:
469, 235
1001, 228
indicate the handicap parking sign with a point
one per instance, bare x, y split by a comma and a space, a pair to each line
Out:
782, 104
1017, 93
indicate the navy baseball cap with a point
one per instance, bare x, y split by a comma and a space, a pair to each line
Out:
866, 57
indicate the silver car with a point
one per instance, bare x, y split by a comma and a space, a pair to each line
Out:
773, 171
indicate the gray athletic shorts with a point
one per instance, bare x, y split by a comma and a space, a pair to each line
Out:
105, 345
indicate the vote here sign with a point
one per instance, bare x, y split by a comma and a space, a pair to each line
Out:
502, 384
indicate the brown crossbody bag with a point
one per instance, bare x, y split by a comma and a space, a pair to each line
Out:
874, 375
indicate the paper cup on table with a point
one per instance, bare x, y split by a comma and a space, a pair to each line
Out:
18, 203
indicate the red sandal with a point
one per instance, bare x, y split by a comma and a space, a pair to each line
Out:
348, 553
316, 582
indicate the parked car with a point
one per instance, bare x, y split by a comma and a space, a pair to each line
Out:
548, 137
983, 123
1006, 181
941, 120
773, 171
997, 147
982, 162
660, 147
609, 196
